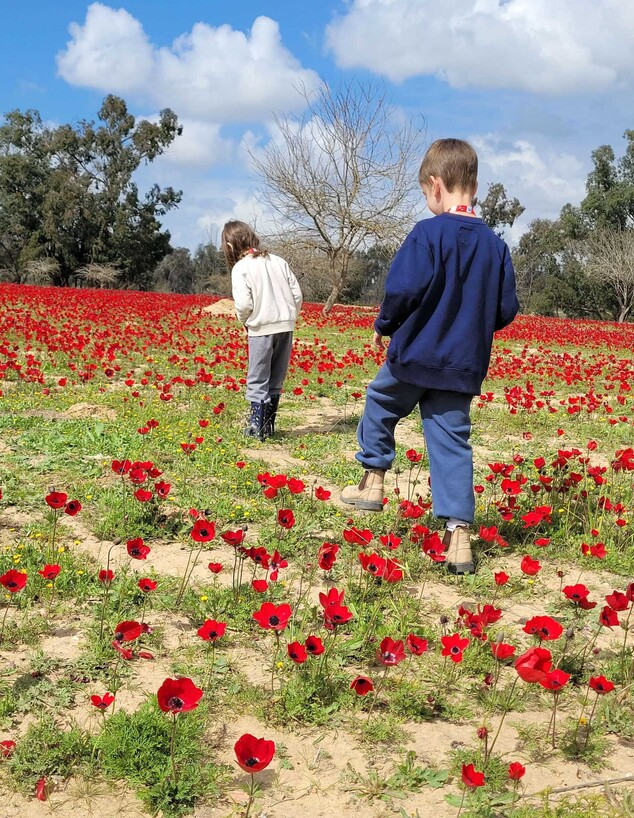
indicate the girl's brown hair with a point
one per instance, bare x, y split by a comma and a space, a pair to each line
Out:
238, 240
452, 160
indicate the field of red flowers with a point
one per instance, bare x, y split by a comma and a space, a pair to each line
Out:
192, 623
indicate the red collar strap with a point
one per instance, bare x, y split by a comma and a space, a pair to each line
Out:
462, 209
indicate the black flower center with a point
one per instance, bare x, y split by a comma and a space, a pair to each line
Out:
455, 650
174, 703
251, 762
274, 620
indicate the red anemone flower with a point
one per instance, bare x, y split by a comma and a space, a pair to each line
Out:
106, 576
373, 564
215, 567
501, 578
314, 646
72, 508
234, 537
102, 702
273, 617
575, 593
7, 747
391, 652
146, 585
322, 494
516, 771
128, 631
56, 499
259, 585
502, 651
545, 627
137, 549
471, 778
286, 518
336, 615
416, 645
601, 685
203, 531
295, 486
362, 685
529, 566
211, 630
533, 665
178, 695
13, 580
333, 597
121, 466
297, 652
253, 754
554, 679
453, 646
393, 571
608, 617
50, 572
617, 601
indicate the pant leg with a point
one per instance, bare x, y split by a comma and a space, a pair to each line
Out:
259, 371
387, 401
281, 355
447, 428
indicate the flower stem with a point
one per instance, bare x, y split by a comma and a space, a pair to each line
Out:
506, 708
251, 796
172, 737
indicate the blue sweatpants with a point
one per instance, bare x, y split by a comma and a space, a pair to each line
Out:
446, 425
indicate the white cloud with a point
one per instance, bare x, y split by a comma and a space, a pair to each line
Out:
200, 145
109, 52
543, 179
543, 46
216, 74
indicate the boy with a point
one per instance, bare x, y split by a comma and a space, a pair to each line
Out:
450, 287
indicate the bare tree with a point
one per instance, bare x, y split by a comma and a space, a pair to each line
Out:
341, 176
609, 256
99, 275
41, 271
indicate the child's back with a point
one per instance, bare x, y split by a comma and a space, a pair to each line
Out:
451, 285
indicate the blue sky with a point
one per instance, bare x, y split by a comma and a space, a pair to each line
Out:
536, 85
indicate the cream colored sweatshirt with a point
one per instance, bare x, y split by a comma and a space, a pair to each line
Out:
267, 295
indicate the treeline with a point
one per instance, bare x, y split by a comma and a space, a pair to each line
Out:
71, 213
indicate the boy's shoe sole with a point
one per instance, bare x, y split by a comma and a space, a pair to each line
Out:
461, 568
364, 505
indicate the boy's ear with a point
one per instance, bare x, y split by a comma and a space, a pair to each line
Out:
434, 183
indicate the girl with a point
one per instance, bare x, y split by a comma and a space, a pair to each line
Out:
267, 300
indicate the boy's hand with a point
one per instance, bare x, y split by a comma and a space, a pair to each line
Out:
378, 340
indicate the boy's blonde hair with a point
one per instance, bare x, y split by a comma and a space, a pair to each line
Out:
238, 240
452, 160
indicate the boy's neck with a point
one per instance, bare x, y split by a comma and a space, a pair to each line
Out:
461, 200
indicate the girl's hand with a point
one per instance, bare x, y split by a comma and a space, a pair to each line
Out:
378, 340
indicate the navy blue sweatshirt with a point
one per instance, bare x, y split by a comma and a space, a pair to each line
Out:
450, 287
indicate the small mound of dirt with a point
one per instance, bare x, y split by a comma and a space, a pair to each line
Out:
88, 410
223, 307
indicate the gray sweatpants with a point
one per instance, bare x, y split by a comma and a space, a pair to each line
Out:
268, 363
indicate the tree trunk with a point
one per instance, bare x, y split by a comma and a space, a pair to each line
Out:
332, 298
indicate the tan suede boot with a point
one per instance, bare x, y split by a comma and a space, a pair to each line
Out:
368, 495
459, 557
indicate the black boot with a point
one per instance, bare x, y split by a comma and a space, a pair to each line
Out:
270, 414
256, 421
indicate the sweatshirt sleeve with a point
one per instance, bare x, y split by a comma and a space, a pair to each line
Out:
407, 280
508, 305
295, 288
242, 297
